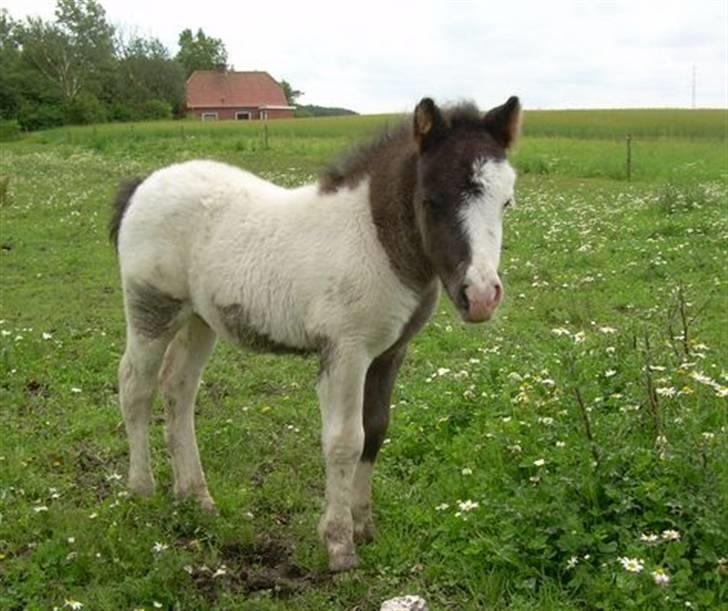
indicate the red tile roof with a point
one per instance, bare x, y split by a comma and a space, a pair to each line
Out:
217, 88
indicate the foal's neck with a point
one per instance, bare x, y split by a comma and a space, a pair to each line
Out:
390, 165
393, 182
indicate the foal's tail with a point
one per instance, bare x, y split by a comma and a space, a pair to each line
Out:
119, 205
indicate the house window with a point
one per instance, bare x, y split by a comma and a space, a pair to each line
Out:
209, 116
242, 115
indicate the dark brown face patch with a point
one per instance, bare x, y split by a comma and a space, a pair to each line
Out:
420, 173
445, 184
152, 312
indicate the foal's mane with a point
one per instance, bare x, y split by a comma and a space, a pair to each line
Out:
390, 142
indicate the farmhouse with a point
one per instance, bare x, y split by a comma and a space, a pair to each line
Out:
222, 94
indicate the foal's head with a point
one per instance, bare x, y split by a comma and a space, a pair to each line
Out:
464, 184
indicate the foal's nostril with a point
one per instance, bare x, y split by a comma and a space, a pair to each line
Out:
498, 288
463, 296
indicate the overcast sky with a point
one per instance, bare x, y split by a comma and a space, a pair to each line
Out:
374, 56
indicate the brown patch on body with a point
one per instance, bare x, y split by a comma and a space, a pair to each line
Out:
152, 312
237, 324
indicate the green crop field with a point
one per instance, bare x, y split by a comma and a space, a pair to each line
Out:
571, 454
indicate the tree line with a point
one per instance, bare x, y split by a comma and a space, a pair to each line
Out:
78, 68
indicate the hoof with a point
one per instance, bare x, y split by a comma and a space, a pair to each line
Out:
208, 506
365, 532
343, 562
141, 487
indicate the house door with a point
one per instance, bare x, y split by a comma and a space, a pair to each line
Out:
242, 116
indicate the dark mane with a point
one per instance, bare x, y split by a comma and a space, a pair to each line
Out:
350, 166
391, 141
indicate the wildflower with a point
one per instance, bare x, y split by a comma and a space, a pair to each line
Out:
633, 565
607, 330
708, 436
467, 471
610, 350
73, 604
670, 535
702, 378
539, 462
40, 508
468, 505
610, 373
559, 331
222, 570
158, 548
573, 561
649, 537
157, 605
47, 336
660, 576
71, 540
442, 507
666, 391
560, 444
579, 337
75, 389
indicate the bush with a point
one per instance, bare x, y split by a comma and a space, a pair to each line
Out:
42, 116
156, 109
85, 109
9, 130
119, 111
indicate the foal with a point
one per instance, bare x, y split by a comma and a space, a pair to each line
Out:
349, 268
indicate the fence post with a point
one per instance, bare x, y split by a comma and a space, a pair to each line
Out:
265, 135
629, 156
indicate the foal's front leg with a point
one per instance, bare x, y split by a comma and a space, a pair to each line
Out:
378, 388
341, 391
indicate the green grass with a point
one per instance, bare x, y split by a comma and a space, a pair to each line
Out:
594, 268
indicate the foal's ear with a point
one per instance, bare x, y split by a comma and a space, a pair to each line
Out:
504, 122
429, 125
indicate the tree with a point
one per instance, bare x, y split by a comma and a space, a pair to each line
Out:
292, 94
10, 99
147, 77
73, 53
200, 52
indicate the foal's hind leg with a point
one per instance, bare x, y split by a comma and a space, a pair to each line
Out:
137, 384
179, 380
377, 399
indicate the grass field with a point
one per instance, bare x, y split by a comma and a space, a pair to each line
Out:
533, 463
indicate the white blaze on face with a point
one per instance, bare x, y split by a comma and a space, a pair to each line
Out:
482, 221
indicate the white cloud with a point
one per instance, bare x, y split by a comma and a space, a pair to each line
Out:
384, 56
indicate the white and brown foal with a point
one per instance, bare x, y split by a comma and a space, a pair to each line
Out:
349, 268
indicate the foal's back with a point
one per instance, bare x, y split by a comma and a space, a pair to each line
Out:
296, 264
